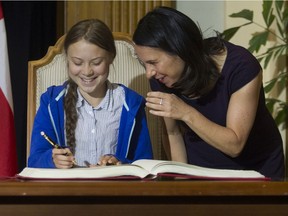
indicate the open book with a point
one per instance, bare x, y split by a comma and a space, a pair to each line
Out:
141, 169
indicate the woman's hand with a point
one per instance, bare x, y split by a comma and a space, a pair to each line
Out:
63, 158
167, 105
171, 108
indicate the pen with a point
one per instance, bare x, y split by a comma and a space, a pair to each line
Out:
54, 144
50, 141
87, 163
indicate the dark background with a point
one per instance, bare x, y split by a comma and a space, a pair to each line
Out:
30, 29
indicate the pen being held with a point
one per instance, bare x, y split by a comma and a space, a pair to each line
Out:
56, 146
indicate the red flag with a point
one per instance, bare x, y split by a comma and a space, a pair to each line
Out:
8, 158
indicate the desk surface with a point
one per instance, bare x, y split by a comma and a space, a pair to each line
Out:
143, 198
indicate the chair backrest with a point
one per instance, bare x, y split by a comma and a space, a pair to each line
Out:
126, 69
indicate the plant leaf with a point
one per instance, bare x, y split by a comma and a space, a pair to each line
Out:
281, 85
278, 51
280, 117
267, 59
280, 29
269, 86
270, 102
279, 4
267, 13
285, 18
229, 33
246, 14
257, 41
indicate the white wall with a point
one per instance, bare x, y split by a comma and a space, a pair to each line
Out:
209, 15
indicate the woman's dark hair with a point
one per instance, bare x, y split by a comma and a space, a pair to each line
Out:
95, 32
175, 33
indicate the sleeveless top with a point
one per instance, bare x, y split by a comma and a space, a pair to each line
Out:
263, 151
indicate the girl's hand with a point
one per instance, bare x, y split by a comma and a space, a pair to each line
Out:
63, 158
108, 159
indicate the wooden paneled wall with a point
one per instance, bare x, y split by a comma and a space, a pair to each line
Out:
120, 16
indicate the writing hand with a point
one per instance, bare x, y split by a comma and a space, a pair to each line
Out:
63, 158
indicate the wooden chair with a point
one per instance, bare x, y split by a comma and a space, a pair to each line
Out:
126, 69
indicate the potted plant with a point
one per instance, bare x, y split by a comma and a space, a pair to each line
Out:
274, 13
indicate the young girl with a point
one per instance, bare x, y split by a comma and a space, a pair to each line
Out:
94, 121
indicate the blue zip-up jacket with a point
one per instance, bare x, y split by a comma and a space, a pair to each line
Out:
133, 140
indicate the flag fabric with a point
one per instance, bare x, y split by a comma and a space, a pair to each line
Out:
8, 158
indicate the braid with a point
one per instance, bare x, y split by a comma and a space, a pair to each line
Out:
93, 31
71, 114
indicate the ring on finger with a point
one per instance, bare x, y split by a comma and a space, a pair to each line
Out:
161, 101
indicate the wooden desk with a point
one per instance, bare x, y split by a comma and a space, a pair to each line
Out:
84, 198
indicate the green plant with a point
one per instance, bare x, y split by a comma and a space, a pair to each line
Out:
274, 13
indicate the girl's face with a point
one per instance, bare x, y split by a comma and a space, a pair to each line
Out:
88, 66
166, 68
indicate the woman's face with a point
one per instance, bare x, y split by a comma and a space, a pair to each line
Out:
88, 66
164, 67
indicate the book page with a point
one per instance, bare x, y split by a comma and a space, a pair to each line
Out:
149, 165
84, 173
157, 166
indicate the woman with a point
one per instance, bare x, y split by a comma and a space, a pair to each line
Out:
94, 121
210, 94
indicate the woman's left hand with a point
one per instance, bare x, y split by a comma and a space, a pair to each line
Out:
167, 105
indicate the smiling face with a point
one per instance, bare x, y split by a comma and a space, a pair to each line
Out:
88, 67
166, 68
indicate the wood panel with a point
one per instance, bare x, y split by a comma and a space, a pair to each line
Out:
193, 190
120, 16
142, 209
142, 198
